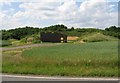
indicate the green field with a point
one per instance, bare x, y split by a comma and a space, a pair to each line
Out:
98, 59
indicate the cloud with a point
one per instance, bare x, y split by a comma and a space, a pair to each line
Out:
90, 13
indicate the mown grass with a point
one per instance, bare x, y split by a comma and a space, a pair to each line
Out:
98, 59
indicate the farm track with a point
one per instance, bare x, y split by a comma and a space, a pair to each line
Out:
27, 46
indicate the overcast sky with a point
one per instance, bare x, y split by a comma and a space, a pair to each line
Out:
72, 13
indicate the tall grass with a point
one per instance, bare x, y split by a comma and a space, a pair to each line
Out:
4, 43
90, 59
96, 37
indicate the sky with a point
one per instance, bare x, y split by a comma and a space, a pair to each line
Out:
72, 13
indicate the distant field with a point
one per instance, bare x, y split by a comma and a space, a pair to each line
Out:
98, 59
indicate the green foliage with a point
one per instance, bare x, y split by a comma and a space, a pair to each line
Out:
4, 43
96, 37
113, 31
16, 42
56, 28
6, 35
82, 31
35, 38
20, 33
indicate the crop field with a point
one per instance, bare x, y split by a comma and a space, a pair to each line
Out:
97, 59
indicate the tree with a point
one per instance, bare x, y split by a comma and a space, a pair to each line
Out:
72, 28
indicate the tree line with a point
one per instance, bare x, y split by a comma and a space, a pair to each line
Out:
22, 32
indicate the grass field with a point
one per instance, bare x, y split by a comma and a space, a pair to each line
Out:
98, 59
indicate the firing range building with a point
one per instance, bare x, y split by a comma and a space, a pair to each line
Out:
53, 37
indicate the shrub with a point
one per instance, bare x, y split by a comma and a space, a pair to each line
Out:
31, 39
5, 43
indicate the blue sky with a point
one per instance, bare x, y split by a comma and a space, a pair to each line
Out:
72, 13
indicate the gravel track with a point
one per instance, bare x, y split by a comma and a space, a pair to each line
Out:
28, 46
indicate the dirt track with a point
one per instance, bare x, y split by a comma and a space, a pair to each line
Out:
28, 46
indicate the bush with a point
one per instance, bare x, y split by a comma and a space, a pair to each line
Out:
5, 43
31, 39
